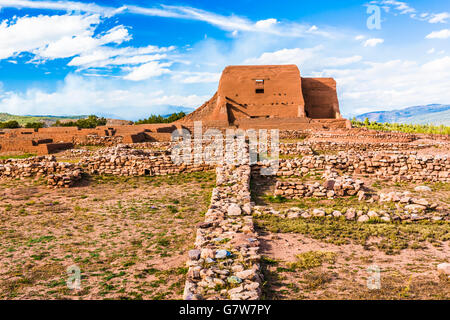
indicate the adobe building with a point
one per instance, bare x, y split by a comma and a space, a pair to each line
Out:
248, 97
274, 96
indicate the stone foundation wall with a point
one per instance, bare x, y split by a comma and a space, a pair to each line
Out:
57, 174
308, 147
124, 161
331, 188
225, 263
394, 166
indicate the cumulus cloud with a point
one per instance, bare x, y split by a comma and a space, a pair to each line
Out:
442, 34
35, 34
373, 42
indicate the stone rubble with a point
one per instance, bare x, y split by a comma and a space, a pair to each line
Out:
334, 186
367, 215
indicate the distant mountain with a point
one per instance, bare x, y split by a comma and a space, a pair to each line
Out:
436, 114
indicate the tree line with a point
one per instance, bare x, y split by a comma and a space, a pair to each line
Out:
90, 122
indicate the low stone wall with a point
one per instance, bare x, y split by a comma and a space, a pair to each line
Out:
124, 161
57, 174
331, 188
394, 166
225, 263
309, 147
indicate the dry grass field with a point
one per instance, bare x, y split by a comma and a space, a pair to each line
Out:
128, 236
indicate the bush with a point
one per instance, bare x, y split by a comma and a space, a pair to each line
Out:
13, 124
402, 127
160, 119
88, 123
35, 125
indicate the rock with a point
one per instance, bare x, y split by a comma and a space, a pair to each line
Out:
318, 213
236, 290
422, 202
372, 214
444, 268
252, 286
247, 208
415, 207
350, 214
336, 213
330, 194
422, 189
222, 254
293, 215
207, 253
194, 254
246, 274
234, 280
306, 215
363, 218
405, 199
237, 268
361, 195
234, 210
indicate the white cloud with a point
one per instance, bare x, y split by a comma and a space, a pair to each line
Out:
78, 95
285, 56
337, 62
401, 7
439, 17
28, 34
392, 84
228, 23
431, 51
265, 24
69, 6
197, 77
147, 71
105, 57
360, 37
442, 34
373, 42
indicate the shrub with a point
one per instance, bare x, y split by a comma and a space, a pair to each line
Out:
160, 119
35, 125
87, 123
13, 124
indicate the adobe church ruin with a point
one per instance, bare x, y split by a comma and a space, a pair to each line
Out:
270, 96
254, 97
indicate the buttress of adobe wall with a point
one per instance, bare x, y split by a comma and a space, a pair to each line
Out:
321, 101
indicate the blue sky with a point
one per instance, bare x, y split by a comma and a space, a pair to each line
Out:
130, 59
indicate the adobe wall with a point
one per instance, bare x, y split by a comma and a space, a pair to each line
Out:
321, 101
261, 92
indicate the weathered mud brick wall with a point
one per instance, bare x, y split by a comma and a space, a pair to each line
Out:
225, 263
